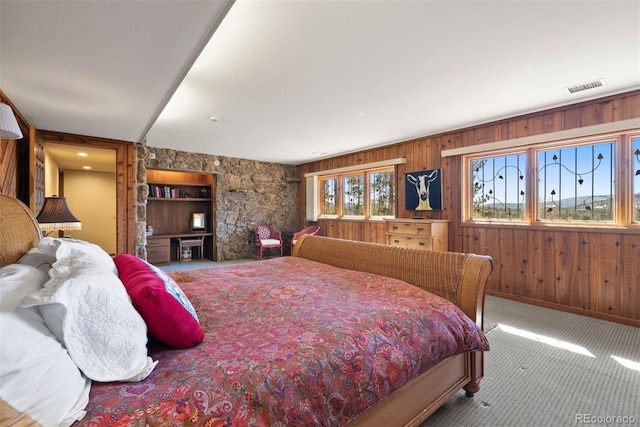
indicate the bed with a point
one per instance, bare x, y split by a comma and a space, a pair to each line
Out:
313, 339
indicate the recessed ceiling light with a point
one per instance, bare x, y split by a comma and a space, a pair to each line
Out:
86, 167
81, 154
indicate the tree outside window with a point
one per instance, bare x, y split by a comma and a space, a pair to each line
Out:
329, 196
353, 201
382, 194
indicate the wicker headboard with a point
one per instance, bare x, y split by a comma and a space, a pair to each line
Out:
19, 230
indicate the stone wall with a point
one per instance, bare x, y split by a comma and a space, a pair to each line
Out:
247, 193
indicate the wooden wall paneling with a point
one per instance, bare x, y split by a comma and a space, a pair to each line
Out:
611, 111
518, 128
519, 258
595, 272
390, 152
346, 230
611, 284
590, 114
371, 232
550, 275
508, 274
630, 107
630, 294
581, 291
565, 264
535, 264
571, 118
327, 228
488, 243
535, 125
13, 164
8, 167
126, 197
552, 121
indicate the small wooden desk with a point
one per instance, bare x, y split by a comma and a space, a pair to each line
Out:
159, 246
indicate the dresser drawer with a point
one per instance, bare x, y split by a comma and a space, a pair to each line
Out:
162, 242
158, 251
412, 228
158, 255
417, 242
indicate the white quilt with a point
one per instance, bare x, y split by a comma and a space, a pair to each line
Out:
87, 308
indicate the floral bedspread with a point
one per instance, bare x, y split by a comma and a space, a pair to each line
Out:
288, 341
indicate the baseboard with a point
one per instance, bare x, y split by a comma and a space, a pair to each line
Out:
565, 308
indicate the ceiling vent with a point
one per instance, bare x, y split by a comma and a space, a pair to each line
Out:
586, 86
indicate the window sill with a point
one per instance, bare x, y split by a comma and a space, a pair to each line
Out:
600, 228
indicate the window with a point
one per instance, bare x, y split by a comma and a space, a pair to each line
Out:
353, 195
499, 187
328, 196
577, 183
359, 194
635, 168
382, 194
569, 182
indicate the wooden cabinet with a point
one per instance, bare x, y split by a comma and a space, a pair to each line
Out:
428, 234
159, 250
174, 198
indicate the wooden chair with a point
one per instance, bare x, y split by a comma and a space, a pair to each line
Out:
312, 230
266, 238
190, 242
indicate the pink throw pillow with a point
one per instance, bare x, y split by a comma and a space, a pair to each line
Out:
165, 308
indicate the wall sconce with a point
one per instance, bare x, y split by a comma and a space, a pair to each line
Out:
9, 128
55, 215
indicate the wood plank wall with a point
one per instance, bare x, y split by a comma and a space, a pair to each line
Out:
11, 153
589, 271
8, 167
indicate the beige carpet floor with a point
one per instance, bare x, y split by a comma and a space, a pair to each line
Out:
550, 368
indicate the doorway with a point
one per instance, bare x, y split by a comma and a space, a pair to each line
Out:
86, 176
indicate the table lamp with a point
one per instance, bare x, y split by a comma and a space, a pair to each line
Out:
55, 215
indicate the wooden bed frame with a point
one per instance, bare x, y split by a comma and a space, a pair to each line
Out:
460, 278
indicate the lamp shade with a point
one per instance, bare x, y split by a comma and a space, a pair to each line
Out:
55, 215
9, 128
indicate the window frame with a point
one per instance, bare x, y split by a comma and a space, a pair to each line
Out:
634, 165
622, 175
366, 174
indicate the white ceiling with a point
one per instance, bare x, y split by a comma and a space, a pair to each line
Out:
294, 81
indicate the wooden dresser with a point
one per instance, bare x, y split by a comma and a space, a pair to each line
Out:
428, 234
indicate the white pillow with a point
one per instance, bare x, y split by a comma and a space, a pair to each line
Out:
38, 259
79, 252
89, 310
34, 367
